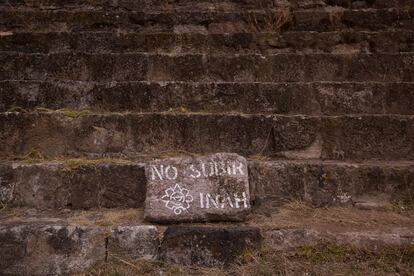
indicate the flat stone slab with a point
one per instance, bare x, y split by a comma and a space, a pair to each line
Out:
207, 188
208, 246
50, 249
38, 248
133, 241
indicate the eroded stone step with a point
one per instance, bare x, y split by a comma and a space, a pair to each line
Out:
67, 133
267, 20
323, 183
205, 5
365, 4
199, 68
56, 242
243, 43
266, 98
75, 133
86, 184
74, 184
228, 5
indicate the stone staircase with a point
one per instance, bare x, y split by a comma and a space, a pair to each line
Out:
316, 95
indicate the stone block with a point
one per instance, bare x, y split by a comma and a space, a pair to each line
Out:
208, 246
207, 188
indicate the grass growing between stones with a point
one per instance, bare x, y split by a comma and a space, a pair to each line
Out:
33, 156
328, 259
175, 110
64, 111
298, 213
270, 21
17, 109
75, 113
324, 259
72, 164
3, 206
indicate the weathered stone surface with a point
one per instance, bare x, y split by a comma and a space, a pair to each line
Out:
326, 183
188, 67
207, 188
286, 239
205, 21
48, 185
368, 4
88, 185
56, 243
133, 242
221, 59
354, 138
135, 134
50, 249
225, 5
42, 243
286, 98
350, 42
362, 137
208, 246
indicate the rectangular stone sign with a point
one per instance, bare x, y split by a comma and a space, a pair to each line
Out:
207, 188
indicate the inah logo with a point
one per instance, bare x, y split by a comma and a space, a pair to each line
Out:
177, 199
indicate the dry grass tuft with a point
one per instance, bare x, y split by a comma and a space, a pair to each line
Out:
299, 213
301, 206
78, 113
324, 259
17, 109
270, 20
125, 267
404, 206
43, 110
33, 156
3, 206
175, 110
259, 157
74, 113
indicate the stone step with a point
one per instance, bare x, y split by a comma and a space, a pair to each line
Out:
366, 4
201, 68
86, 184
59, 243
268, 98
68, 133
324, 183
266, 20
143, 5
243, 43
62, 242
